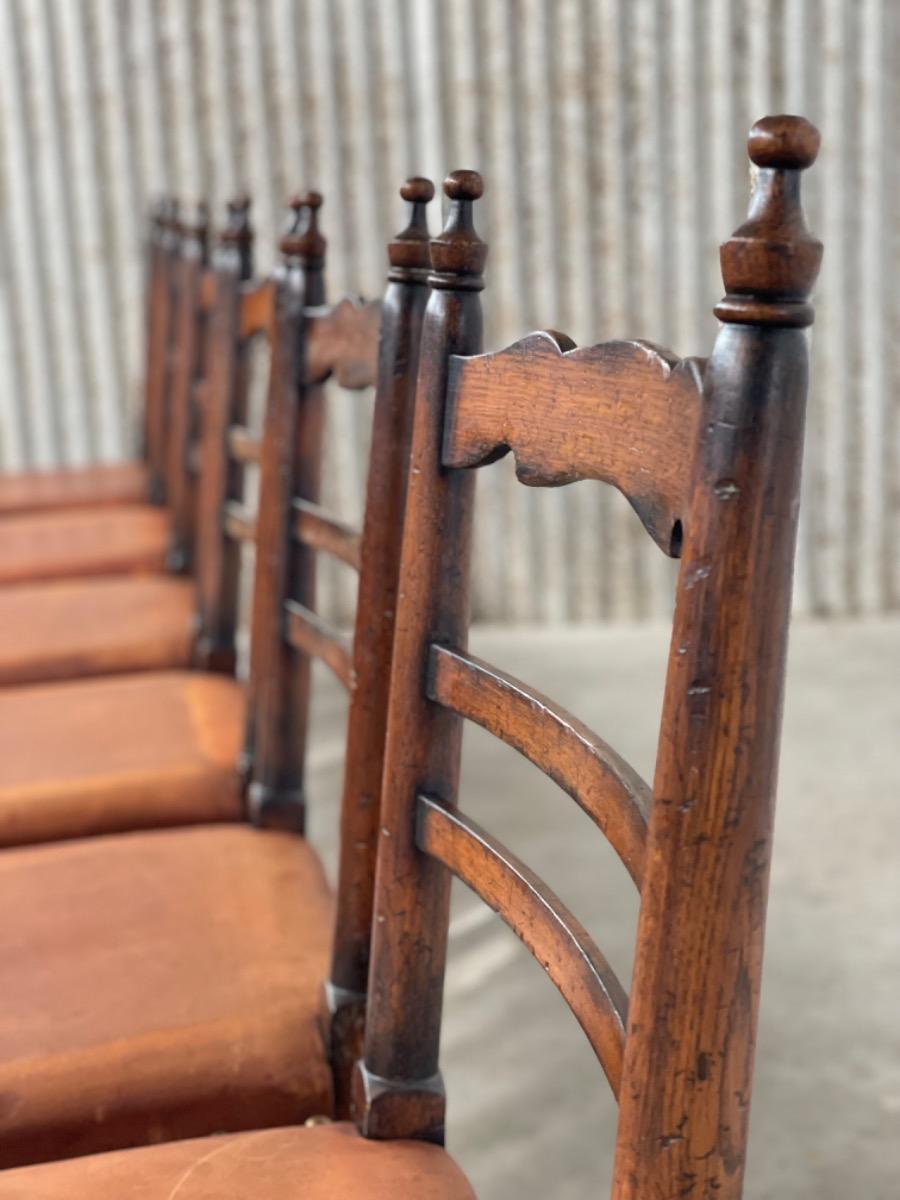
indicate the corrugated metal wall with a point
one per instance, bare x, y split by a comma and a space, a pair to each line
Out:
611, 136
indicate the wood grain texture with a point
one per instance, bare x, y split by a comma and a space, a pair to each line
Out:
685, 1098
600, 781
397, 1090
622, 412
539, 918
373, 632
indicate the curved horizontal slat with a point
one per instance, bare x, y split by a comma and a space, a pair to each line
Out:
612, 794
315, 527
626, 413
556, 939
238, 523
242, 445
256, 308
342, 342
308, 632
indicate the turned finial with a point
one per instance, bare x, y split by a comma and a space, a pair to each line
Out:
408, 252
302, 239
458, 254
236, 238
770, 264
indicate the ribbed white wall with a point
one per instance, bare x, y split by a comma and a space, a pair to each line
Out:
611, 136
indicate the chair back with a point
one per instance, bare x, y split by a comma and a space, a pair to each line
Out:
709, 456
357, 345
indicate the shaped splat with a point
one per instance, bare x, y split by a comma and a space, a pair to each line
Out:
625, 413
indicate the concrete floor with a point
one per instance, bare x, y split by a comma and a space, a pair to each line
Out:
529, 1111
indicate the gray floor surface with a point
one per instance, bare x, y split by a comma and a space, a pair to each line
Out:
529, 1111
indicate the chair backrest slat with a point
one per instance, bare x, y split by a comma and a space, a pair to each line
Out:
554, 936
600, 781
709, 457
315, 527
315, 637
342, 344
623, 412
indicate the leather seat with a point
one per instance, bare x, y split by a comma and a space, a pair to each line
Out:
75, 487
83, 542
75, 628
157, 986
325, 1162
116, 754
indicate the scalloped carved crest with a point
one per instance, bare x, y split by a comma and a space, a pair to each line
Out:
625, 413
342, 342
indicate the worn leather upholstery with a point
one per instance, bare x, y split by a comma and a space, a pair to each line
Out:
74, 487
326, 1162
121, 753
75, 628
159, 985
78, 543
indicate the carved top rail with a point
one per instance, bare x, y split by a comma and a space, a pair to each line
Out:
626, 413
342, 343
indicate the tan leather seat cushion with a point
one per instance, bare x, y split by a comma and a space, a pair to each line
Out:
109, 483
77, 628
82, 542
159, 985
116, 754
327, 1162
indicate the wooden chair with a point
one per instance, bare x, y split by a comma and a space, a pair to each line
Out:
128, 482
166, 984
100, 520
121, 623
709, 456
162, 748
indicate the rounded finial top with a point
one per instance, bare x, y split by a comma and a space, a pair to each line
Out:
464, 185
458, 253
783, 142
417, 188
408, 252
770, 263
302, 238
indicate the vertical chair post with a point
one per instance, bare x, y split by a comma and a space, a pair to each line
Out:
156, 284
397, 1088
179, 490
163, 252
373, 637
218, 557
290, 465
685, 1093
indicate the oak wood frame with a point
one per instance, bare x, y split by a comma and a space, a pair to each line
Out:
724, 497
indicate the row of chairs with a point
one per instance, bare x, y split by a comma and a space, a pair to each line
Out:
188, 978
